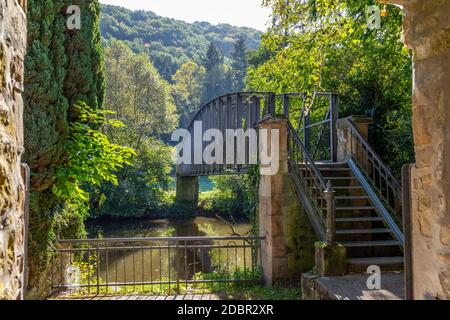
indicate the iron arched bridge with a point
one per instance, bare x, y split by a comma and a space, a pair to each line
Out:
243, 111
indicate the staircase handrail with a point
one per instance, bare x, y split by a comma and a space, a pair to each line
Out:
320, 193
378, 169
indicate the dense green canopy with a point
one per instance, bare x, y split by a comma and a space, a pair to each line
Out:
171, 43
62, 67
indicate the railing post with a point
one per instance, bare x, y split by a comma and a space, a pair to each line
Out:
286, 105
271, 104
334, 115
306, 131
331, 218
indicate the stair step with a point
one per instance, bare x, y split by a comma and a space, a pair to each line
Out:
370, 243
347, 187
379, 261
385, 263
339, 178
359, 219
355, 208
351, 198
362, 231
334, 169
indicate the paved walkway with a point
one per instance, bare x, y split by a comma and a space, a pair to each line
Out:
354, 287
148, 297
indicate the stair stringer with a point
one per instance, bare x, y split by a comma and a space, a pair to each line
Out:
381, 208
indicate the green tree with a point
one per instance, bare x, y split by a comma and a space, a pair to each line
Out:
325, 45
238, 64
215, 75
142, 100
168, 42
61, 67
137, 94
187, 90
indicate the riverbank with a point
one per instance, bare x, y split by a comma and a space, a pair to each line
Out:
195, 225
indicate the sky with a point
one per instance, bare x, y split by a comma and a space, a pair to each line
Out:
248, 13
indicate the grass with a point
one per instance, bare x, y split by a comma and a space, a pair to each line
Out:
225, 291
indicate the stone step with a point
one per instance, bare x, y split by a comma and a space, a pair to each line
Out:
346, 169
385, 263
347, 187
362, 208
352, 198
363, 231
370, 243
359, 219
339, 178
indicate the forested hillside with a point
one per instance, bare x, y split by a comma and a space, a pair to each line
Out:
171, 43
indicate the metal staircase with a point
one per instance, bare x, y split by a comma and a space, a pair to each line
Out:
360, 226
354, 203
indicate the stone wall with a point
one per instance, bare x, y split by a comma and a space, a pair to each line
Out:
12, 230
288, 247
426, 27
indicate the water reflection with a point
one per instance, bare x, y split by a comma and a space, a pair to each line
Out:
159, 261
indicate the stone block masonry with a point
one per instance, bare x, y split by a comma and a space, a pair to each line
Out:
12, 192
288, 247
426, 28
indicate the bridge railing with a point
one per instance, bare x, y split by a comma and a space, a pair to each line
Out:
376, 171
308, 179
240, 110
160, 265
314, 117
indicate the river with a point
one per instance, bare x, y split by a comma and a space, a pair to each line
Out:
154, 265
179, 227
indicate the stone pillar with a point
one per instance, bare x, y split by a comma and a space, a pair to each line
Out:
344, 142
187, 191
288, 248
426, 27
12, 193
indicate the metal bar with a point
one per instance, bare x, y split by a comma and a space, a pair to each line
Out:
107, 266
334, 116
89, 267
202, 281
377, 203
98, 269
331, 217
271, 104
162, 239
315, 124
177, 261
142, 265
306, 137
286, 105
202, 248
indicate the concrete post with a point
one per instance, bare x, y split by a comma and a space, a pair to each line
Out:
426, 28
288, 248
187, 191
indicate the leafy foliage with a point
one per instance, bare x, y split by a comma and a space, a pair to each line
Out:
142, 186
62, 67
137, 94
325, 45
187, 89
239, 65
234, 195
92, 158
141, 99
